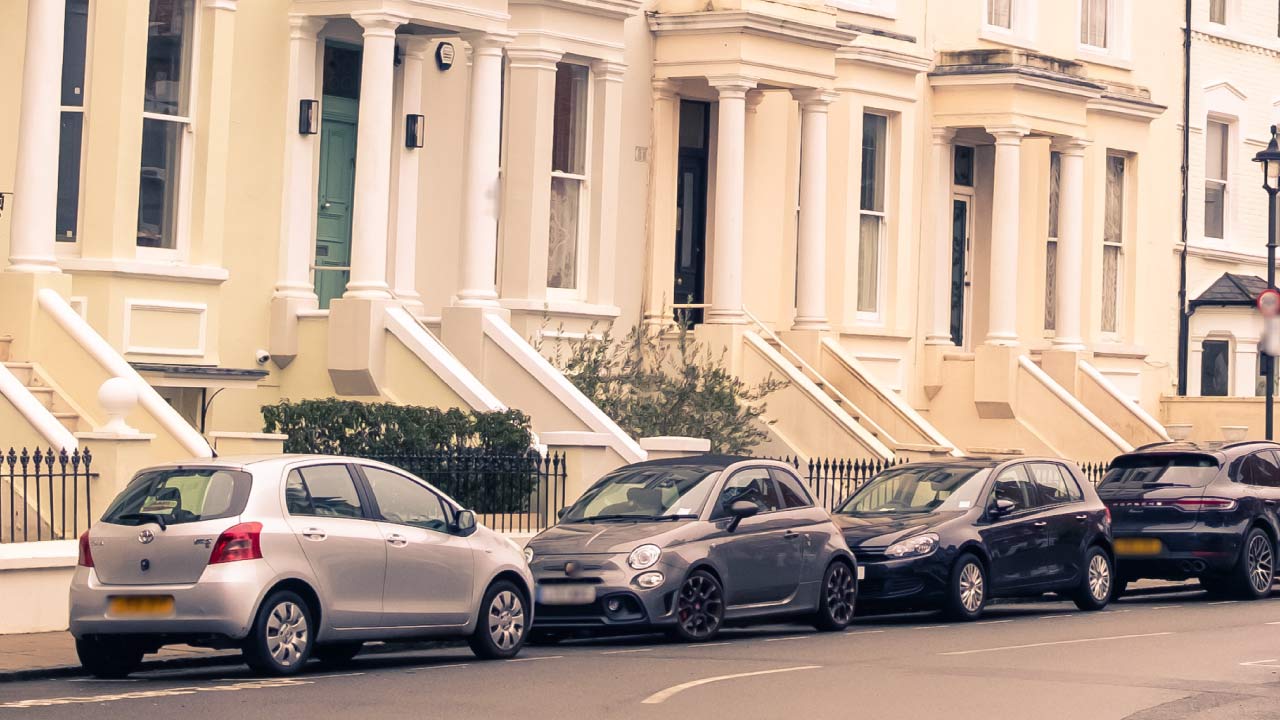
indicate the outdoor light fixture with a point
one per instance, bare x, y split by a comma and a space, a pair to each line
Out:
1269, 158
2, 194
308, 117
414, 131
444, 56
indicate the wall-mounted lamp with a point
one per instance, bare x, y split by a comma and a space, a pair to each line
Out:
415, 131
2, 194
308, 117
444, 56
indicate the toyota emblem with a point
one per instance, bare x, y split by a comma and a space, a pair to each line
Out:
146, 536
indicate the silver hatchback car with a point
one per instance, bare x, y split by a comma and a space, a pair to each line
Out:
288, 558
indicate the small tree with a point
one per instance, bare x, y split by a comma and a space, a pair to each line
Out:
654, 385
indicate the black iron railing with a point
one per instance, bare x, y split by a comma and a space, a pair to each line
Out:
507, 492
44, 495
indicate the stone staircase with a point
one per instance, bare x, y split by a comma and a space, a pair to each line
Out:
42, 389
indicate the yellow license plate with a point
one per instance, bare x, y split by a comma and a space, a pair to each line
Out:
1137, 546
142, 606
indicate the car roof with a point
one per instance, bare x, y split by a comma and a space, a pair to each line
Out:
1219, 449
244, 462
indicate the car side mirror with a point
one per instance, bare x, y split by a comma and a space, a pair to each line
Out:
560, 513
740, 510
465, 522
1000, 508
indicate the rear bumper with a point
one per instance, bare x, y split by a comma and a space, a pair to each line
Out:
1183, 554
221, 604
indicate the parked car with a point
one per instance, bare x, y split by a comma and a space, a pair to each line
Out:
288, 558
953, 535
687, 546
1183, 510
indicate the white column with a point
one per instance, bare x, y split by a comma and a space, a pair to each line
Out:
370, 215
811, 239
1002, 308
297, 232
481, 183
606, 170
1069, 286
405, 268
939, 279
664, 160
35, 182
726, 248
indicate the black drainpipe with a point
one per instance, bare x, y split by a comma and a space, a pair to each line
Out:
1184, 317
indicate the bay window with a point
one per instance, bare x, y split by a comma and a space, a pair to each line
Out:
871, 227
75, 31
1113, 243
1216, 142
166, 121
568, 177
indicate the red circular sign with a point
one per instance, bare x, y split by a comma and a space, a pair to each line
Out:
1269, 302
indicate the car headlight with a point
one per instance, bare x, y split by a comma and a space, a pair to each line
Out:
644, 557
916, 546
528, 554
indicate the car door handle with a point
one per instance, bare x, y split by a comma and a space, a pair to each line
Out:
314, 534
792, 535
397, 540
1082, 517
1040, 523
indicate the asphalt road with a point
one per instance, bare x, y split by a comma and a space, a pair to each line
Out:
1168, 656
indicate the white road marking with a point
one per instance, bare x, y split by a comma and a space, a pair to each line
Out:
543, 657
1162, 607
1056, 642
148, 694
623, 652
326, 676
792, 637
1274, 623
863, 632
664, 695
700, 645
1224, 602
439, 667
1260, 663
993, 622
931, 627
103, 680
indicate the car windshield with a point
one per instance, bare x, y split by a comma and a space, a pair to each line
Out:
174, 496
646, 493
1142, 471
917, 489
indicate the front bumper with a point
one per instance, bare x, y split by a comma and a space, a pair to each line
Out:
620, 604
1182, 554
903, 584
220, 605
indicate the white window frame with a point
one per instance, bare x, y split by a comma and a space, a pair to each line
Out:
1232, 364
875, 317
63, 248
1126, 212
582, 254
1232, 126
1117, 51
186, 153
1022, 21
1228, 11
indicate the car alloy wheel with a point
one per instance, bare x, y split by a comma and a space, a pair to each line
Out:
506, 620
699, 606
287, 634
841, 593
1261, 563
972, 587
1099, 577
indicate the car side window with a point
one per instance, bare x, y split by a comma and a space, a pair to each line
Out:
1051, 485
1011, 484
793, 493
403, 501
322, 491
753, 485
1261, 470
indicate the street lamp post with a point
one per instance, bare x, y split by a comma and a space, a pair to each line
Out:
1269, 158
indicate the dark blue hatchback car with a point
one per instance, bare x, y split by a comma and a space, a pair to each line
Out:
1182, 510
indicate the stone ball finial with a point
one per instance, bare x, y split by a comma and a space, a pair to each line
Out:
118, 397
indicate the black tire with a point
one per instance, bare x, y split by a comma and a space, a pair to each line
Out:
1097, 578
699, 608
502, 627
283, 635
968, 591
338, 654
838, 598
1255, 570
109, 658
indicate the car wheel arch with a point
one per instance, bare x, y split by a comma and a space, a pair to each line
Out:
514, 578
706, 567
1265, 526
975, 549
304, 590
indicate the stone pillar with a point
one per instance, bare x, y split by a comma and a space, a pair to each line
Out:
727, 250
1002, 309
606, 172
1070, 258
481, 183
664, 165
811, 265
939, 275
370, 220
35, 182
404, 270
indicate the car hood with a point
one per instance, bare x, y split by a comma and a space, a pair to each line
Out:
887, 529
607, 537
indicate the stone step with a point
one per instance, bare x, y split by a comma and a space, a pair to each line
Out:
5, 342
25, 372
69, 420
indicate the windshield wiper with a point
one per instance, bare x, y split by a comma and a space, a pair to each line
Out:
151, 517
598, 518
678, 516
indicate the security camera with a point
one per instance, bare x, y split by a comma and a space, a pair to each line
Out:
262, 356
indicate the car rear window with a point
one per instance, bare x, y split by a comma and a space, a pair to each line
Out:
1135, 472
175, 496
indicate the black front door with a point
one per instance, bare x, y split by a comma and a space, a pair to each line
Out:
691, 209
959, 268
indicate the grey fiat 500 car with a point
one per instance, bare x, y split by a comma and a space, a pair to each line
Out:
687, 546
288, 558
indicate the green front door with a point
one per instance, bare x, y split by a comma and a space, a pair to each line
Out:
337, 193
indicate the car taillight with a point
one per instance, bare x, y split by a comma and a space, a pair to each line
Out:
1107, 510
86, 555
1193, 504
241, 542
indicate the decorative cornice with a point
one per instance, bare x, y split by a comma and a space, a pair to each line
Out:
1237, 43
609, 70
884, 58
616, 9
814, 99
533, 58
750, 23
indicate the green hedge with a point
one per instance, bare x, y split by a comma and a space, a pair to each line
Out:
347, 427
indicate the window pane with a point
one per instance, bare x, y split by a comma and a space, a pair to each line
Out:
1011, 485
869, 264
1110, 287
401, 500
1093, 22
963, 170
792, 491
75, 31
1218, 11
874, 129
562, 243
158, 192
69, 139
1113, 232
1000, 13
752, 485
1215, 368
693, 124
1215, 144
568, 146
342, 71
168, 56
1215, 210
326, 490
1051, 285
1050, 484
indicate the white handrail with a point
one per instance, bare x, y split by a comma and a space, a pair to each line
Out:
113, 363
1076, 406
54, 432
1110, 388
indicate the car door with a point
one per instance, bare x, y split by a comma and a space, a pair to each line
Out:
764, 554
429, 568
1015, 540
1061, 503
343, 546
1260, 474
810, 521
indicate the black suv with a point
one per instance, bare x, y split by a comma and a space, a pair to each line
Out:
1183, 510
